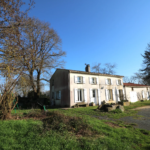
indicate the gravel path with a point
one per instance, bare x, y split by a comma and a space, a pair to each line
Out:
142, 122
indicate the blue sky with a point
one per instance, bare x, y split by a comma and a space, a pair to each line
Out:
99, 31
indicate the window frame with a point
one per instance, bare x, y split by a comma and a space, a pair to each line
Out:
94, 79
108, 79
110, 94
58, 95
119, 82
81, 79
80, 95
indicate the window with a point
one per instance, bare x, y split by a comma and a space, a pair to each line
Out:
80, 95
93, 80
110, 94
119, 82
52, 95
109, 81
93, 93
53, 82
79, 79
121, 94
58, 95
132, 89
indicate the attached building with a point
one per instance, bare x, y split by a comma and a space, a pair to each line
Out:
135, 92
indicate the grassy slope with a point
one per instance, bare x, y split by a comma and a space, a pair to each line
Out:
28, 134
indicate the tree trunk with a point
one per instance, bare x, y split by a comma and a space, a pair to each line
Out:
38, 83
6, 109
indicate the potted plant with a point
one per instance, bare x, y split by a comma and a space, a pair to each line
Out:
92, 104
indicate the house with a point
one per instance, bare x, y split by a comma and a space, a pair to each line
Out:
68, 87
135, 92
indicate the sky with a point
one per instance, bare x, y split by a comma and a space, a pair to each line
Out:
99, 31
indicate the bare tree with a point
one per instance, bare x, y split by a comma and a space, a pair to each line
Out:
12, 19
107, 69
44, 46
131, 79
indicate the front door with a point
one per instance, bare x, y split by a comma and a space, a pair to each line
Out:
93, 99
133, 96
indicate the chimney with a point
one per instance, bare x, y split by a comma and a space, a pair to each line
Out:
87, 68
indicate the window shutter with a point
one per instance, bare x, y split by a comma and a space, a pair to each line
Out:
75, 95
118, 95
121, 82
143, 95
117, 81
90, 93
85, 95
75, 79
90, 80
111, 82
59, 94
97, 80
113, 94
106, 82
123, 94
148, 95
106, 94
83, 79
99, 100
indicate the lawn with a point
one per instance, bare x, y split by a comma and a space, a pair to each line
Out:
71, 129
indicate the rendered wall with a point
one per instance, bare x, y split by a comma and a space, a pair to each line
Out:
61, 83
88, 86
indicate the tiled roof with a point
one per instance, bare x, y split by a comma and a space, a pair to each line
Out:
92, 73
132, 84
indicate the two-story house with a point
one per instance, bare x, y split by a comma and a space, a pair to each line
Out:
69, 87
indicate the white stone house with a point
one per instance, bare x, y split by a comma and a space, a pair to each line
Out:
69, 87
135, 92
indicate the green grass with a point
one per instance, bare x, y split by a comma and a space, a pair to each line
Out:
138, 104
57, 132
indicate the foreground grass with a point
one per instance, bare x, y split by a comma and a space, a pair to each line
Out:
31, 134
54, 133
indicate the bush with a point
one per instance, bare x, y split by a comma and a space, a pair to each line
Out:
117, 111
61, 123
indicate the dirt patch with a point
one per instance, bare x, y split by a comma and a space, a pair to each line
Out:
75, 125
114, 125
139, 108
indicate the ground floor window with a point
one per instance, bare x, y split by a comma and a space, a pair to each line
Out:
110, 94
80, 95
58, 95
121, 94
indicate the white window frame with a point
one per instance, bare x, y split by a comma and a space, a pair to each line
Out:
79, 81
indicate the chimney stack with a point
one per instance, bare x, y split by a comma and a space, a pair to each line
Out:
87, 68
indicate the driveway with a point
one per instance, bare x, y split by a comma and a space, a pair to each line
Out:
142, 122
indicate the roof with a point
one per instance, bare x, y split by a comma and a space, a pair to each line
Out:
91, 73
133, 84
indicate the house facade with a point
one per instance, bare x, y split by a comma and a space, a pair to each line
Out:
135, 92
69, 87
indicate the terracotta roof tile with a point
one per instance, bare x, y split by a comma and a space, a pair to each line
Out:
133, 84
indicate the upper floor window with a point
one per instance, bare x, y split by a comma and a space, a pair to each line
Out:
108, 81
93, 80
53, 82
119, 82
79, 79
